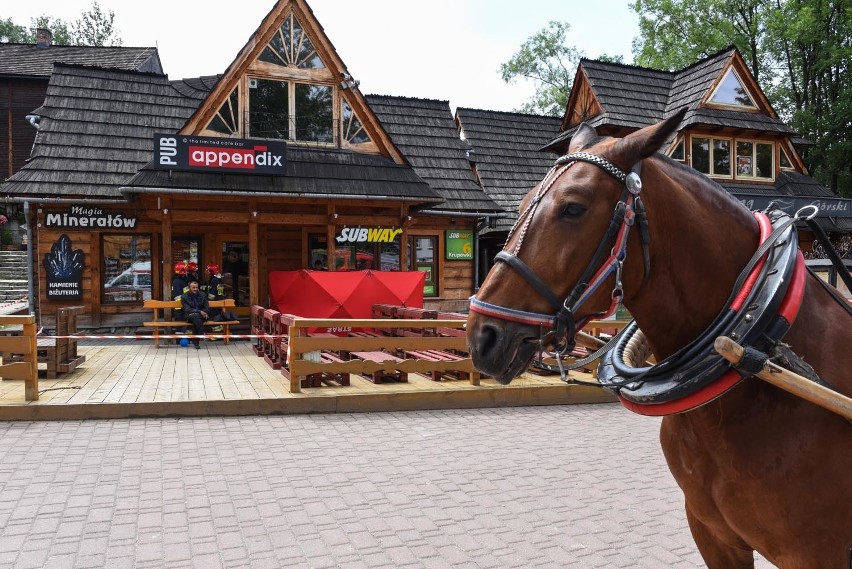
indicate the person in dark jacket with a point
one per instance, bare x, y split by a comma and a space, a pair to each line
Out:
196, 310
216, 291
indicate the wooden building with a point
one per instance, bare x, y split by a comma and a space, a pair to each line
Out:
280, 162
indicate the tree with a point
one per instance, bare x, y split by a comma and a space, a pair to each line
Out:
96, 28
550, 63
797, 50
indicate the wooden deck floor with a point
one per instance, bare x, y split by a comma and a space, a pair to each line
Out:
132, 378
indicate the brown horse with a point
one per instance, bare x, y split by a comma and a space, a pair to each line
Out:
760, 469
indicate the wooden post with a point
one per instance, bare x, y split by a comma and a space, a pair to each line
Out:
31, 382
167, 265
789, 381
254, 270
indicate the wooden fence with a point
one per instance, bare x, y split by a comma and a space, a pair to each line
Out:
302, 349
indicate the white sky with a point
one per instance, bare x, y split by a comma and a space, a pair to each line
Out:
439, 49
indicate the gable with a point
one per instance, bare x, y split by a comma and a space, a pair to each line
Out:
288, 83
735, 89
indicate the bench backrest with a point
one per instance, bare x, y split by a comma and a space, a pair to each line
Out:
164, 304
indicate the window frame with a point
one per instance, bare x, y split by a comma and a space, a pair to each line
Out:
734, 155
754, 143
711, 150
731, 106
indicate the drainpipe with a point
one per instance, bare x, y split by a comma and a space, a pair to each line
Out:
30, 274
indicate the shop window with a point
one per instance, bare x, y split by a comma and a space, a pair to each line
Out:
126, 268
291, 47
317, 252
226, 120
423, 256
731, 92
363, 256
754, 160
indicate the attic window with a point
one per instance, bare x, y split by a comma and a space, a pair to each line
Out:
731, 92
353, 131
290, 111
784, 161
291, 47
226, 120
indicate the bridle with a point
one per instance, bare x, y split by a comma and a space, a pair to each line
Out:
628, 209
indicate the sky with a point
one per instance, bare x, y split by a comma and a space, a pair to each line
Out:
441, 49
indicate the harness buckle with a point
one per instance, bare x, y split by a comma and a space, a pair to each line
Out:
618, 290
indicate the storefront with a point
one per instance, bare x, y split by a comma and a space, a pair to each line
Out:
280, 164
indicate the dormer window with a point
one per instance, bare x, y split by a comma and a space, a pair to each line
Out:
784, 161
731, 93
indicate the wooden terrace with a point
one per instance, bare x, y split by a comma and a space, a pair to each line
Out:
132, 378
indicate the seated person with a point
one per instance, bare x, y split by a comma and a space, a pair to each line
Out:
196, 310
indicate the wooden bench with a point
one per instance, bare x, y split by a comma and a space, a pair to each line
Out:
439, 356
387, 366
60, 354
415, 314
318, 379
159, 321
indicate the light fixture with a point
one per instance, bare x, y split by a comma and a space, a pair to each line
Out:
166, 211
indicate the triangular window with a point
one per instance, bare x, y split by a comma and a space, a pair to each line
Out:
291, 47
731, 92
226, 120
784, 161
353, 131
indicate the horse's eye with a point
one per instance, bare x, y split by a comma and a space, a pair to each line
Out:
572, 210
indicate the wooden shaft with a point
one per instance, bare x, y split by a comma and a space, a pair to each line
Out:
789, 381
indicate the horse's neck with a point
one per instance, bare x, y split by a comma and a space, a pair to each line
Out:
700, 241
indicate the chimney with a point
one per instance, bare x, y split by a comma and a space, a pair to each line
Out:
43, 37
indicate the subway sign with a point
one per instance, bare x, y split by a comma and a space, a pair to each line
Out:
367, 235
211, 154
458, 245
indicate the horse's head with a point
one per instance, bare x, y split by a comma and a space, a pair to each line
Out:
562, 262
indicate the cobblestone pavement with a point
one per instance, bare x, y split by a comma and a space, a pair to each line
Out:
580, 486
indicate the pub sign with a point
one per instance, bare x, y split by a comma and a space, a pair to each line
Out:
212, 154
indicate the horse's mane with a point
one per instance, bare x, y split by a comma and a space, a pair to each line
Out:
695, 181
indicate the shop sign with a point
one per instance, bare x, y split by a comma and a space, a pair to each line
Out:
826, 207
64, 270
89, 218
206, 153
459, 245
367, 235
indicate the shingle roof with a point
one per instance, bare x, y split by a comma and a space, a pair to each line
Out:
96, 130
504, 147
96, 135
31, 61
424, 131
635, 97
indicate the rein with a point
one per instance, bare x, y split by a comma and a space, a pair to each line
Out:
628, 210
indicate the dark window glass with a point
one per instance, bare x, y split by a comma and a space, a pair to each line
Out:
353, 131
721, 157
701, 154
763, 160
268, 108
677, 153
314, 119
226, 119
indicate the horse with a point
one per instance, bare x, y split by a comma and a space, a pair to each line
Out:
760, 469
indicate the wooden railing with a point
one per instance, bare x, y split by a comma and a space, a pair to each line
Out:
298, 346
23, 345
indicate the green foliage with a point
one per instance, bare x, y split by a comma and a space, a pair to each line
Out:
13, 33
5, 236
94, 28
550, 63
798, 51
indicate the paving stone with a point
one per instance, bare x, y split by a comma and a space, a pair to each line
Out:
578, 486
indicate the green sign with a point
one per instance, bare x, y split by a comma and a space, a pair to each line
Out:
459, 244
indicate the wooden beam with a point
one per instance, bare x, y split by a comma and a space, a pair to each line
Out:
166, 260
789, 381
254, 269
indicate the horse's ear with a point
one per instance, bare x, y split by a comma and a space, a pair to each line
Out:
583, 138
643, 143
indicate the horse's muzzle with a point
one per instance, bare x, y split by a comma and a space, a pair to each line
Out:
502, 352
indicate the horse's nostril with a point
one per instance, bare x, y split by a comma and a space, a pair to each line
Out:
486, 340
